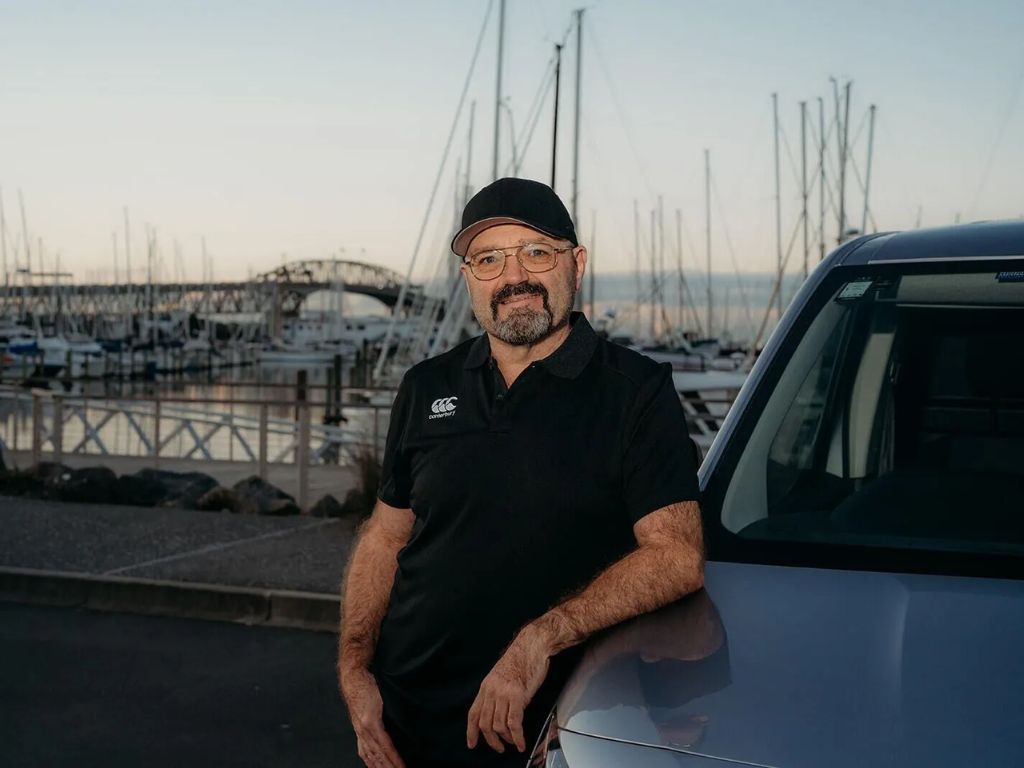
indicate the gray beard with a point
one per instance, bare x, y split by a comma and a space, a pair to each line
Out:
524, 326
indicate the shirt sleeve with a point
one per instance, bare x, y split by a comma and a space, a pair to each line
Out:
395, 475
659, 466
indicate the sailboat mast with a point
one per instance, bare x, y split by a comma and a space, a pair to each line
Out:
803, 177
590, 261
867, 174
580, 298
778, 206
654, 282
497, 95
707, 228
821, 180
469, 153
636, 268
554, 135
117, 276
3, 239
660, 263
24, 236
679, 264
846, 157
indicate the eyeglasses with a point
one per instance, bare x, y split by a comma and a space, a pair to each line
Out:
533, 257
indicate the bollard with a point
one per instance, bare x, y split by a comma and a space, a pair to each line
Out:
58, 429
302, 458
263, 442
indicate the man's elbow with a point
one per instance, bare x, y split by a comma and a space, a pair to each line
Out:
687, 566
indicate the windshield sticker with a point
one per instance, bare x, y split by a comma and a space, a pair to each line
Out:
854, 289
1011, 277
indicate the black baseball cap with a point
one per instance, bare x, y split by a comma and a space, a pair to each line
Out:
514, 201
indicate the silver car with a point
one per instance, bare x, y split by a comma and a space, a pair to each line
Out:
864, 516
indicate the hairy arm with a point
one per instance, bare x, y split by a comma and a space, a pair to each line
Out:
667, 564
365, 592
367, 585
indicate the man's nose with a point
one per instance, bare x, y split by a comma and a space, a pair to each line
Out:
514, 272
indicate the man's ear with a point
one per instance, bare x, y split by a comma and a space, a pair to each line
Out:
580, 254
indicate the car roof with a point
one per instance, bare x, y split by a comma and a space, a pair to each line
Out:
981, 240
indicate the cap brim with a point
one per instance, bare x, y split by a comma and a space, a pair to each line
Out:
460, 243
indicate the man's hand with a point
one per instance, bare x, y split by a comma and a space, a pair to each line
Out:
366, 711
497, 711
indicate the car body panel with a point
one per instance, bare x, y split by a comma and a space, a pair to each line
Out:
813, 667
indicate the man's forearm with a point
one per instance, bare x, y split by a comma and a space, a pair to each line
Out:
367, 585
642, 581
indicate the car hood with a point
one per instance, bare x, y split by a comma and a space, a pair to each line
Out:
805, 667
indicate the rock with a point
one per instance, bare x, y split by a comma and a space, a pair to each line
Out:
251, 496
218, 499
48, 476
328, 506
14, 482
156, 487
281, 508
91, 485
256, 496
138, 491
185, 491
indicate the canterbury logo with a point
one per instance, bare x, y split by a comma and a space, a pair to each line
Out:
443, 406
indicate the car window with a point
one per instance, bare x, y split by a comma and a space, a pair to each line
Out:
896, 419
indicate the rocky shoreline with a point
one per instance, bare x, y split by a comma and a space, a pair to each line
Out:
175, 490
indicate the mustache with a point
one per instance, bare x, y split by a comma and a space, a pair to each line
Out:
519, 289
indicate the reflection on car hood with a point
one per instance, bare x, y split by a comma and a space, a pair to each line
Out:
803, 667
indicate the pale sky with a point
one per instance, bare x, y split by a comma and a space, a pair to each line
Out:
304, 128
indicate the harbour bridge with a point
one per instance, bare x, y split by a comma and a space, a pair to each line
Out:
281, 291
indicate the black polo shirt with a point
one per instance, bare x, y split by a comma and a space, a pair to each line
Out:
522, 495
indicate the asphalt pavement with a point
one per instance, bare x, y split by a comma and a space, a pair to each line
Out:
83, 688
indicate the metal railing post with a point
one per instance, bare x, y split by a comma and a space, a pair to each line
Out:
156, 434
376, 433
263, 441
302, 457
37, 429
58, 430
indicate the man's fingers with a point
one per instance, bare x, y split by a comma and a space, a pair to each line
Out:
378, 756
387, 747
499, 721
486, 719
472, 723
515, 726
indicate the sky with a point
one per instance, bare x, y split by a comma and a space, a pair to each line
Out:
306, 130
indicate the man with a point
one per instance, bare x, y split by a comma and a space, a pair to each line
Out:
538, 485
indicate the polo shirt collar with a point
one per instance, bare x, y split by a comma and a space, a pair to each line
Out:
568, 361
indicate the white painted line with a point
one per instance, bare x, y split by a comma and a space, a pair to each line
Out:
220, 547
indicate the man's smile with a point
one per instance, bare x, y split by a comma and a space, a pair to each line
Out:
520, 298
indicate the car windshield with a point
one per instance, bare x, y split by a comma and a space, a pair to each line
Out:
896, 420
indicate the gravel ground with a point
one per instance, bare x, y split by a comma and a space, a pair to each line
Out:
299, 553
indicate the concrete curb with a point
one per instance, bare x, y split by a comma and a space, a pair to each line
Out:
217, 602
